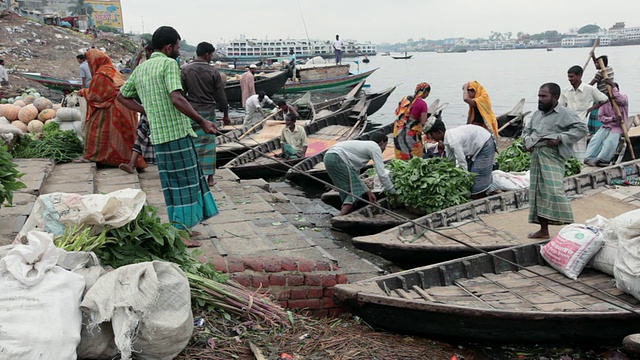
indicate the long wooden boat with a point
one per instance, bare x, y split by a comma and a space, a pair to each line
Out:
411, 243
315, 166
65, 86
325, 84
511, 123
378, 99
321, 134
270, 83
402, 57
484, 298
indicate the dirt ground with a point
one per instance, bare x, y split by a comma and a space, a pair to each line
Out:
29, 46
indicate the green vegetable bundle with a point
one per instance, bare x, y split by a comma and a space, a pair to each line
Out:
516, 159
430, 184
61, 146
9, 176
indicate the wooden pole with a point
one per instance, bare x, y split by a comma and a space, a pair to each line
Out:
256, 125
591, 57
623, 125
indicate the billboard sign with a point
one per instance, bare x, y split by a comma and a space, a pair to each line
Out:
106, 13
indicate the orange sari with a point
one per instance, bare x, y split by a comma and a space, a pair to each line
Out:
110, 128
483, 103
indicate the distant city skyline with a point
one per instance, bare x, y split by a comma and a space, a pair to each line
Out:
378, 21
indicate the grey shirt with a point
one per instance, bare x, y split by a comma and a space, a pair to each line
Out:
203, 86
85, 73
559, 123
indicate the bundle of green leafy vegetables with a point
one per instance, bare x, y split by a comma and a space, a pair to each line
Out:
430, 184
9, 176
516, 159
60, 145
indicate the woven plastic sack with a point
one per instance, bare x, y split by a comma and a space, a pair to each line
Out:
572, 248
605, 259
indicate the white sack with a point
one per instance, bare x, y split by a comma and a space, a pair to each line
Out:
44, 320
627, 264
508, 181
149, 307
68, 114
572, 248
627, 225
604, 260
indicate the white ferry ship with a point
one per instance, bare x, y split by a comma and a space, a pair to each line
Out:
244, 49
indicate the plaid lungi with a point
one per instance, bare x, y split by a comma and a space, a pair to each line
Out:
143, 145
594, 123
482, 166
184, 186
205, 144
344, 177
547, 198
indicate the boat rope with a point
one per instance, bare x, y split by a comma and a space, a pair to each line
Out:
606, 298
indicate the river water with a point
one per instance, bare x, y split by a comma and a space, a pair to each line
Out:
507, 75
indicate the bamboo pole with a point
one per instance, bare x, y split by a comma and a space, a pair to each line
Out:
591, 57
256, 125
623, 125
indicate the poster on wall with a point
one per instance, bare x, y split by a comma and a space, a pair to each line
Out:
106, 13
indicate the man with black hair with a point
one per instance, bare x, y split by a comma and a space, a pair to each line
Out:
85, 73
470, 147
157, 83
598, 79
293, 139
203, 87
549, 135
284, 109
253, 110
344, 161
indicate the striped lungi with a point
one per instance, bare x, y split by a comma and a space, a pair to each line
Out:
143, 145
344, 177
205, 144
482, 166
184, 186
547, 198
594, 123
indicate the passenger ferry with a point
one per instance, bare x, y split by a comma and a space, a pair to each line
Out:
244, 49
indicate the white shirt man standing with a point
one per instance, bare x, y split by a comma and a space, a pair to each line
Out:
253, 108
4, 76
337, 49
85, 73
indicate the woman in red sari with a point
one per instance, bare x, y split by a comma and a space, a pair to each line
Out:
110, 128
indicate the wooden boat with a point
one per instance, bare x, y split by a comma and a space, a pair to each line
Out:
321, 134
270, 83
65, 86
510, 124
227, 147
549, 49
411, 243
402, 57
314, 165
385, 54
378, 99
325, 84
483, 298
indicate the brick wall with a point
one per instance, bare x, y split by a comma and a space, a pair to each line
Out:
294, 283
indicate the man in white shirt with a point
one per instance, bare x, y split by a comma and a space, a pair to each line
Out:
470, 147
337, 49
343, 162
85, 73
4, 77
253, 108
580, 98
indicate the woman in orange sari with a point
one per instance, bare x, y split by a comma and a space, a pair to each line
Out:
110, 128
411, 116
480, 111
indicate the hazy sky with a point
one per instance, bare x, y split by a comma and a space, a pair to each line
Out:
375, 20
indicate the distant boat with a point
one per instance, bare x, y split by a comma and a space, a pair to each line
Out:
402, 57
385, 54
549, 49
365, 60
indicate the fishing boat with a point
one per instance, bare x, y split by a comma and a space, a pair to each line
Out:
325, 84
321, 134
511, 123
486, 299
412, 243
65, 86
315, 166
270, 83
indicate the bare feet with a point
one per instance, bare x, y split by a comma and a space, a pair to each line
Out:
194, 233
538, 235
127, 168
81, 160
210, 180
191, 243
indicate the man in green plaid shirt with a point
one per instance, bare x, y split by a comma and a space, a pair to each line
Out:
157, 84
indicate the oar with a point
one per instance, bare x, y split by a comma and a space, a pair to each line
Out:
595, 43
256, 125
623, 125
517, 118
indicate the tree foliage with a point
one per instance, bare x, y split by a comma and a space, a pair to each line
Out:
589, 29
80, 8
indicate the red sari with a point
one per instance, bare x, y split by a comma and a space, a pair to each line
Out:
110, 128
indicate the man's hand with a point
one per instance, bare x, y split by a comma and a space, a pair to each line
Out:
609, 82
372, 197
226, 120
553, 142
465, 86
617, 118
208, 127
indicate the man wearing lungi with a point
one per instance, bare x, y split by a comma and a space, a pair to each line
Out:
157, 83
550, 136
344, 161
470, 147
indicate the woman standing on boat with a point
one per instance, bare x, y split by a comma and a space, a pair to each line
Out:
110, 127
408, 127
480, 111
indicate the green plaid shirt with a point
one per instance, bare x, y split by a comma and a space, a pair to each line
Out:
153, 82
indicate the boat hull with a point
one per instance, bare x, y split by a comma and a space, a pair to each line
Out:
270, 83
325, 84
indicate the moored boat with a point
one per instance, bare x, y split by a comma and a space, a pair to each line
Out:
65, 86
326, 84
270, 83
402, 57
411, 243
511, 123
321, 134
